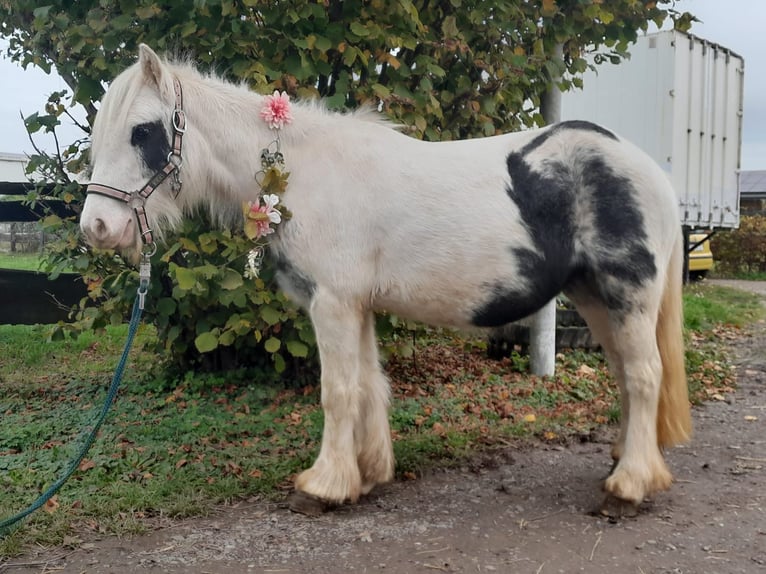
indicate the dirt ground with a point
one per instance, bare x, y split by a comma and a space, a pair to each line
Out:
521, 509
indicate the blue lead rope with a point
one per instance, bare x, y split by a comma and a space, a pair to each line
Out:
138, 307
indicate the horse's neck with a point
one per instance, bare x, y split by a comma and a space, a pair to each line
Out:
228, 121
235, 135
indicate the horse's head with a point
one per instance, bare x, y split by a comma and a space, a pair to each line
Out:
135, 158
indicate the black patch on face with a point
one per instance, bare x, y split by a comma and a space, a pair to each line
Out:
612, 259
294, 280
152, 143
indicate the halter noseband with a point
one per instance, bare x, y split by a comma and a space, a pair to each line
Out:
137, 199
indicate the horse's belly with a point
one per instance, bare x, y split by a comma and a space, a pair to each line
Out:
451, 300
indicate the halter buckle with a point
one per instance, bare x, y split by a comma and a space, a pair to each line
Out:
179, 121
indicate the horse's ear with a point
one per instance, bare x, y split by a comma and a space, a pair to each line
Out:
151, 66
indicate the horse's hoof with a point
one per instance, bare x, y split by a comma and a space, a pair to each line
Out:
304, 503
616, 508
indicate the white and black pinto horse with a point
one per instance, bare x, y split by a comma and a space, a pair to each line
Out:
464, 233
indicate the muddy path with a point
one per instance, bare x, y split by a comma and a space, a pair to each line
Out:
519, 509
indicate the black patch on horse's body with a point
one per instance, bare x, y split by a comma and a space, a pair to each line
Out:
612, 258
293, 280
152, 143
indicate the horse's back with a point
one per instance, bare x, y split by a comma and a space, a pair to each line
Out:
484, 232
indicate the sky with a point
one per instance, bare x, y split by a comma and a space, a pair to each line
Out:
735, 24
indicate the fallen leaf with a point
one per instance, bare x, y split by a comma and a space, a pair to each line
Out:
255, 473
181, 463
52, 505
530, 418
585, 370
86, 464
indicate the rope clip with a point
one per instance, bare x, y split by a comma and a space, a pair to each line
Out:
145, 273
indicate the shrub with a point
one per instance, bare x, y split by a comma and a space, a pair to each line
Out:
208, 316
742, 250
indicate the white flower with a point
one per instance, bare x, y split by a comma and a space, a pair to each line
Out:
270, 202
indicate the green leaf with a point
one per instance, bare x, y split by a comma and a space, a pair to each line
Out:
88, 90
349, 56
270, 315
381, 91
359, 29
449, 27
272, 344
166, 306
279, 363
42, 11
227, 338
206, 342
322, 43
231, 280
297, 349
186, 278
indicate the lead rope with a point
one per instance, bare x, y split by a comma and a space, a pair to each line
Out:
138, 307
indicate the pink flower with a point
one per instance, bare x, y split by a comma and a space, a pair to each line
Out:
276, 110
258, 218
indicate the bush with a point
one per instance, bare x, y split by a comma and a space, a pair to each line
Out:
743, 250
445, 70
208, 316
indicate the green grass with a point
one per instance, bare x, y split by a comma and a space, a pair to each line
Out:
177, 448
708, 305
20, 261
749, 276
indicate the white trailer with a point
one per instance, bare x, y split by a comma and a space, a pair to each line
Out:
679, 98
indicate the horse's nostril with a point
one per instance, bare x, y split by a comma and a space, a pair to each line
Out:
99, 229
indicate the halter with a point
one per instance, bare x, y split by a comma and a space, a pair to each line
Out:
137, 199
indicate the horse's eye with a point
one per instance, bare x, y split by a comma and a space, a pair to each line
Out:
141, 134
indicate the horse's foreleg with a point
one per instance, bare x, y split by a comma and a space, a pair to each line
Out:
335, 477
375, 454
641, 469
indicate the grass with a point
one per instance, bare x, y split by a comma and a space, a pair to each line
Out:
178, 448
20, 261
747, 275
706, 306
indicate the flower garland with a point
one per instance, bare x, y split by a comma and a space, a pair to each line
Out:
262, 215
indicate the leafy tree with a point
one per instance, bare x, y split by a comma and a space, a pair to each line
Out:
446, 68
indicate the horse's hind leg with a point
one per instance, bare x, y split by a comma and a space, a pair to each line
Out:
641, 469
375, 454
596, 315
334, 476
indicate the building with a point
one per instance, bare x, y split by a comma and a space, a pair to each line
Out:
12, 166
752, 189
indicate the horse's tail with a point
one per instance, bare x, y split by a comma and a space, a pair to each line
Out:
674, 423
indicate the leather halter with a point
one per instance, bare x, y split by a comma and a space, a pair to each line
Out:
137, 199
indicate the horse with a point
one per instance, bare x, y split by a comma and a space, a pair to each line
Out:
467, 234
